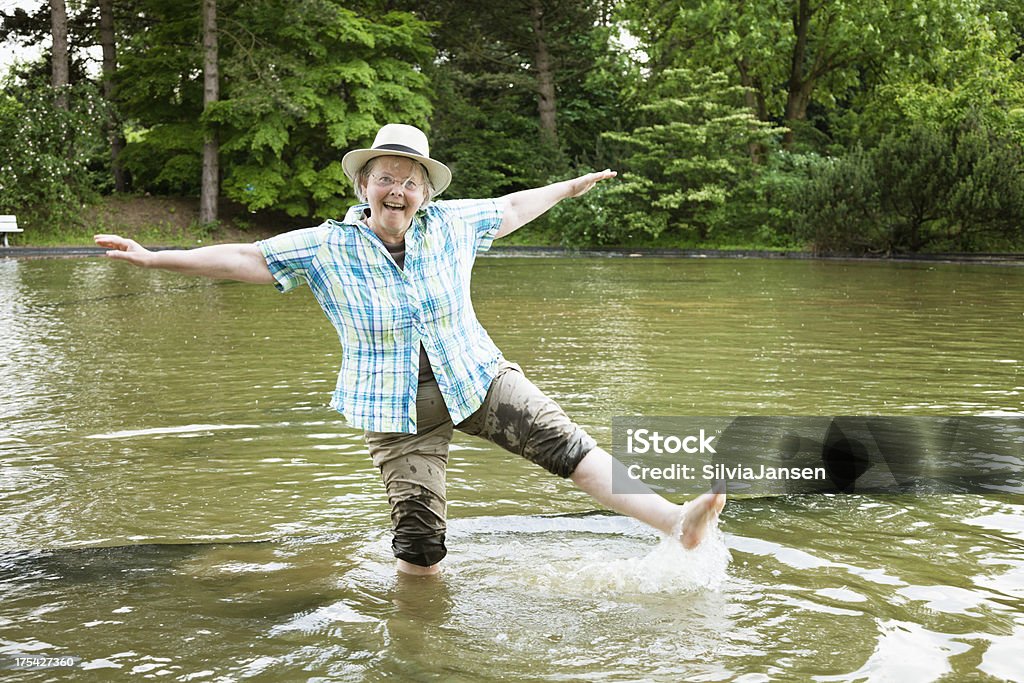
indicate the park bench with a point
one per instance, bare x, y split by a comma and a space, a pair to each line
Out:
9, 224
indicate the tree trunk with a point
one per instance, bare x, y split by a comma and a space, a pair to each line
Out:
753, 95
754, 99
545, 75
59, 67
210, 188
797, 101
113, 130
799, 89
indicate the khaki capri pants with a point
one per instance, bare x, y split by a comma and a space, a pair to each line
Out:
515, 415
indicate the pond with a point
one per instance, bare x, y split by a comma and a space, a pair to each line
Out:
177, 501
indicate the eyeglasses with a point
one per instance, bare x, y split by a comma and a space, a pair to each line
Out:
386, 182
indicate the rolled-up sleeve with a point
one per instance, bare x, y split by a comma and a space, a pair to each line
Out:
290, 254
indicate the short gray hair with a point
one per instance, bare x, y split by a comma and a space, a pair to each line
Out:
363, 177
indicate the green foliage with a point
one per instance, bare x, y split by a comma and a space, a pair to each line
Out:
960, 186
762, 208
904, 119
972, 70
302, 83
51, 159
314, 90
591, 220
985, 199
166, 158
686, 160
485, 122
837, 209
845, 48
489, 141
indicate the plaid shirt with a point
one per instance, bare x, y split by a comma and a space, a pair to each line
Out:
382, 313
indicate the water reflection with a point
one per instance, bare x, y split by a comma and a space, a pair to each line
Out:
581, 590
182, 425
32, 364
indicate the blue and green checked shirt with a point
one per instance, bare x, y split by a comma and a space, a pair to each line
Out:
382, 313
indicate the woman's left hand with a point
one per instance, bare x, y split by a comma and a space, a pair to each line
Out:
522, 207
583, 184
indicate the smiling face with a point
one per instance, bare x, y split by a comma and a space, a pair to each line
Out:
393, 207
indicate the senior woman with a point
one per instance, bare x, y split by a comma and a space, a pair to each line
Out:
393, 276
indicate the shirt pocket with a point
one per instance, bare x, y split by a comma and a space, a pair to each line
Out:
372, 306
444, 293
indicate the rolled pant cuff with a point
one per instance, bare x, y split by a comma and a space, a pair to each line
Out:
421, 551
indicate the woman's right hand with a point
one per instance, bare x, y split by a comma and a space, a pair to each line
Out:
125, 249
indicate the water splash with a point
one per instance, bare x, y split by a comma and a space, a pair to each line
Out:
668, 568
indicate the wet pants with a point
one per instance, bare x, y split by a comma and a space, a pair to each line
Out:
515, 415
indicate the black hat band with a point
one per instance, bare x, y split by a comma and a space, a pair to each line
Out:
401, 148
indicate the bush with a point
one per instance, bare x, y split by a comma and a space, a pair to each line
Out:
959, 187
985, 200
682, 166
838, 209
590, 220
52, 160
762, 210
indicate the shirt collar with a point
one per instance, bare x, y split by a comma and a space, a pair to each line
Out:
356, 213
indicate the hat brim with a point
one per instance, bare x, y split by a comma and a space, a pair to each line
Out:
440, 175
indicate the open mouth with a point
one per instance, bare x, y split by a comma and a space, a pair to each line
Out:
394, 207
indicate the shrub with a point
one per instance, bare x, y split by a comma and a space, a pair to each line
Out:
52, 160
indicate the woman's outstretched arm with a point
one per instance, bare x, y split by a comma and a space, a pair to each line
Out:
242, 262
522, 207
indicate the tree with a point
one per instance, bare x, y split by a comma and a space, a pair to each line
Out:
546, 98
529, 44
523, 89
304, 83
49, 154
300, 83
91, 23
210, 188
687, 158
115, 135
802, 59
59, 52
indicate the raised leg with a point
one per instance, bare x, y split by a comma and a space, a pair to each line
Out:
596, 473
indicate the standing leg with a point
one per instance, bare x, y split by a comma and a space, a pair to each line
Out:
412, 467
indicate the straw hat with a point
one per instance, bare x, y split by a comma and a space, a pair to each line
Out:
400, 140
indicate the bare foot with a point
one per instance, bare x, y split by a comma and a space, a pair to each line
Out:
697, 518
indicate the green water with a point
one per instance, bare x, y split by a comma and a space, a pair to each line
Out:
178, 502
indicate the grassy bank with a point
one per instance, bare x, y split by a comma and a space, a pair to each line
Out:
174, 222
156, 221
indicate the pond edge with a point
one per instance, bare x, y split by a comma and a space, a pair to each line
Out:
559, 252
